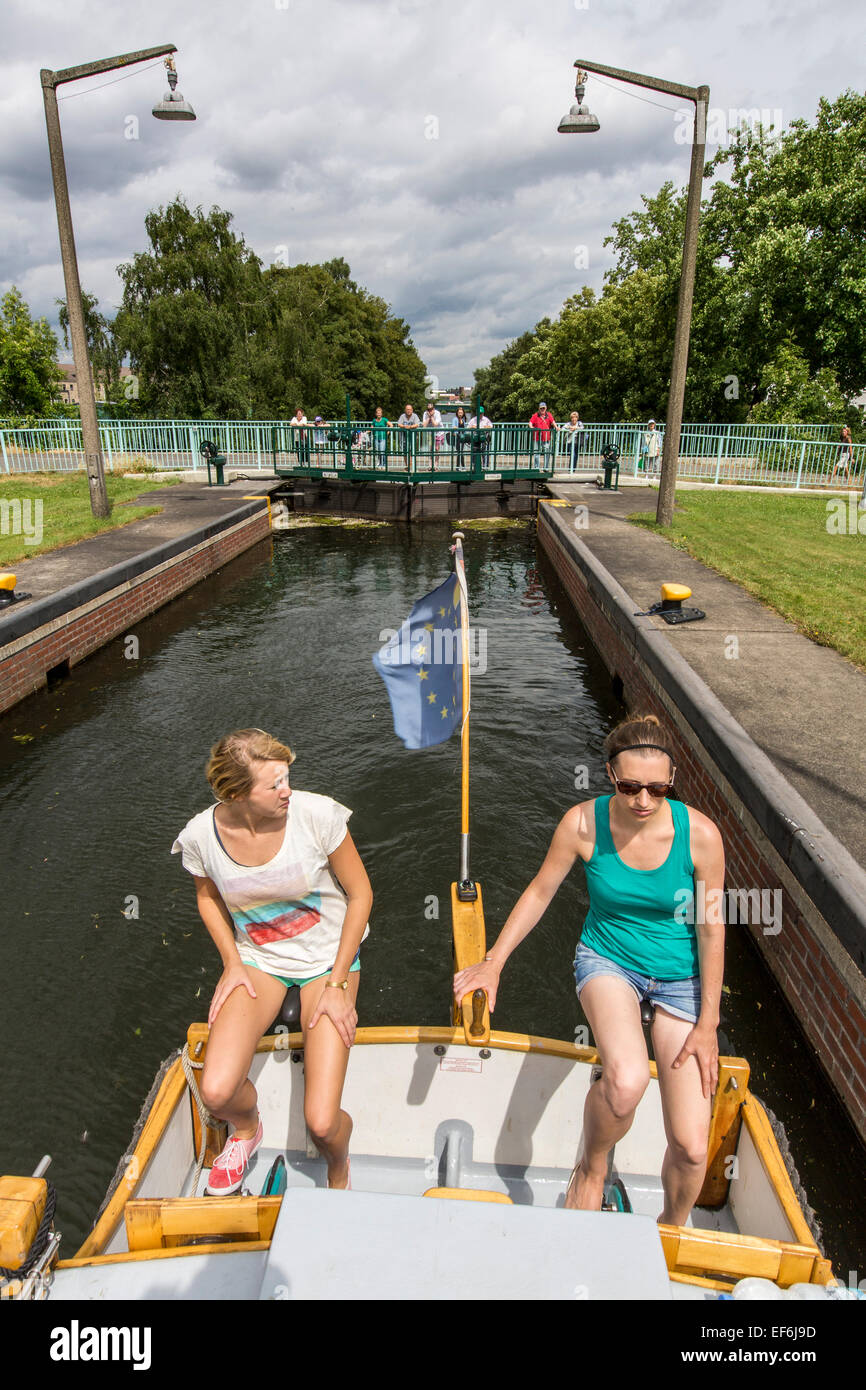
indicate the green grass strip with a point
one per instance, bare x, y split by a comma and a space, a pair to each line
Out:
802, 556
54, 510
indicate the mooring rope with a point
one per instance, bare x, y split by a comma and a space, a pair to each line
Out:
40, 1240
189, 1070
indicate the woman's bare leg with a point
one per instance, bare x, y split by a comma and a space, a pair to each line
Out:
686, 1117
225, 1086
613, 1011
326, 1058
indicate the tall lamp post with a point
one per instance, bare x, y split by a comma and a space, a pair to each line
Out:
580, 120
173, 107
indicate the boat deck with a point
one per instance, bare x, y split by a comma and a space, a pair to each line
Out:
542, 1187
330, 1245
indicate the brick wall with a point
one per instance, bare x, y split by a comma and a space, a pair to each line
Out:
826, 991
24, 664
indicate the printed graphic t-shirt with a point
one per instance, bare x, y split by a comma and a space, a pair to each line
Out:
288, 913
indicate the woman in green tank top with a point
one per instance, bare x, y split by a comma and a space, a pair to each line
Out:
649, 862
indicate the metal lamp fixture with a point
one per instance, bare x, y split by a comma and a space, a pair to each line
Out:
580, 120
173, 107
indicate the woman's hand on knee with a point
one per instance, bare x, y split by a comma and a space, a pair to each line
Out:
338, 1007
231, 977
702, 1043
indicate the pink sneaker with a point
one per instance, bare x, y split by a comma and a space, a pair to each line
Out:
228, 1171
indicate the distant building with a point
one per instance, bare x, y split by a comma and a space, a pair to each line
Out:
67, 388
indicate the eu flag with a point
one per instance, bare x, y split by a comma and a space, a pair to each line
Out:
422, 670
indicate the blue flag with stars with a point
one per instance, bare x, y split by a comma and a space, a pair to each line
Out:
422, 669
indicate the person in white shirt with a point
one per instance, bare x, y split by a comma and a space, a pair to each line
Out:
652, 447
433, 421
573, 430
302, 444
480, 444
284, 895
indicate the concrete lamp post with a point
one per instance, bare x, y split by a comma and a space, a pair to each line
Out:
578, 121
172, 108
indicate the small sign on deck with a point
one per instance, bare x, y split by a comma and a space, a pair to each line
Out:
461, 1064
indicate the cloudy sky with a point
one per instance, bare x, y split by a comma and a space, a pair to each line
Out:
415, 138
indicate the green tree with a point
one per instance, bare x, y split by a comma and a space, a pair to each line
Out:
331, 336
791, 226
779, 286
191, 311
29, 375
792, 395
211, 333
105, 358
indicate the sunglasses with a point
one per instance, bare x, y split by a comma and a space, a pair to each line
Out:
655, 789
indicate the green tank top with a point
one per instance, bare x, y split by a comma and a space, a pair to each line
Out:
643, 919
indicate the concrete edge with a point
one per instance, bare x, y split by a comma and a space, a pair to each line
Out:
830, 875
17, 624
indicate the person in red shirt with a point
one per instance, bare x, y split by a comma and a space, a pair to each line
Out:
542, 423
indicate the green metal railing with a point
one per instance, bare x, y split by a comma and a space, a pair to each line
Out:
361, 450
798, 456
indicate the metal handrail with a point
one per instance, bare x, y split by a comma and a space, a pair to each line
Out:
787, 455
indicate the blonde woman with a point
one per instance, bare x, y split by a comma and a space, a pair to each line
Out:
285, 898
645, 937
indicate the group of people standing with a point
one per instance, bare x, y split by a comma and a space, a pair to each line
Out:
426, 434
284, 895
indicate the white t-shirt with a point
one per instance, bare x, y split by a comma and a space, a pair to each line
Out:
288, 913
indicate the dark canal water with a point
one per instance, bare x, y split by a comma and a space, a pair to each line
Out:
99, 774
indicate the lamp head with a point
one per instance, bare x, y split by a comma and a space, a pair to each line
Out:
173, 107
579, 120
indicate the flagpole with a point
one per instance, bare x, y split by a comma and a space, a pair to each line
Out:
466, 889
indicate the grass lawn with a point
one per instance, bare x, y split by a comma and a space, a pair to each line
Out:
64, 515
781, 550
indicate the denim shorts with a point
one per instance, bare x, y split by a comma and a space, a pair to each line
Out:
682, 998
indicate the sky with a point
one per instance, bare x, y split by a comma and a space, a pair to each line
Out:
415, 138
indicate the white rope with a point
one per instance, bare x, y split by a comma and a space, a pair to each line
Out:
189, 1069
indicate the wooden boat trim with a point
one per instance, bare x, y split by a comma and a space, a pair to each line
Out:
713, 1253
718, 1284
470, 945
155, 1223
687, 1251
731, 1091
761, 1131
135, 1256
168, 1097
